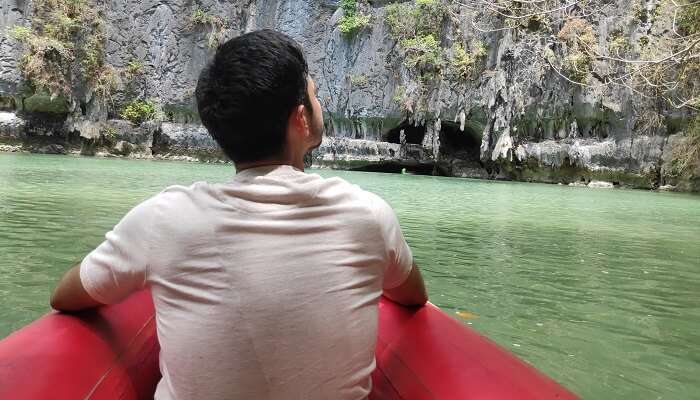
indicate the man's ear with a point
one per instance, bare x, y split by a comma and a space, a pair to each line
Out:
298, 120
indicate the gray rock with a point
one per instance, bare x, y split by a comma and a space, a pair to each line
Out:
122, 148
601, 185
187, 136
45, 104
688, 180
50, 149
11, 126
126, 131
12, 12
8, 148
185, 142
339, 152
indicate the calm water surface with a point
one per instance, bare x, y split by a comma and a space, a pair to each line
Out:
600, 289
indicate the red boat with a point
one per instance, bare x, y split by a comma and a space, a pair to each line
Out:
112, 353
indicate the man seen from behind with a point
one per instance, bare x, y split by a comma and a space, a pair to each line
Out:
266, 286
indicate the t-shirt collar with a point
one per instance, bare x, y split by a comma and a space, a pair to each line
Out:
267, 170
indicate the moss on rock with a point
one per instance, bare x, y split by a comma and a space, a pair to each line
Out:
46, 104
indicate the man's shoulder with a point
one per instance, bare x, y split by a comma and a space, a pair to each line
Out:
345, 190
181, 192
179, 201
339, 187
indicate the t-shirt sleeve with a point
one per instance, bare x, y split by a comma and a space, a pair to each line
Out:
118, 266
399, 259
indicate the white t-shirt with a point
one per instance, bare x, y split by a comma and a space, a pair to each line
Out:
265, 287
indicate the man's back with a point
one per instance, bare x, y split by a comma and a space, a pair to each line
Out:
265, 287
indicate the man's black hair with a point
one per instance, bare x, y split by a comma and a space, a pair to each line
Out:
247, 92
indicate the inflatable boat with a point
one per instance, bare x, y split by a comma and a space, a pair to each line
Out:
112, 353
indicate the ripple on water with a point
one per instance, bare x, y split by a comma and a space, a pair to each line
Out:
596, 288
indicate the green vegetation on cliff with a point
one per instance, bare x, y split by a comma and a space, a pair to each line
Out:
686, 154
689, 19
581, 41
65, 35
133, 68
423, 52
352, 21
138, 111
464, 63
213, 24
411, 20
418, 29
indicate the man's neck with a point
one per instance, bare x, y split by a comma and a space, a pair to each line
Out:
265, 163
293, 154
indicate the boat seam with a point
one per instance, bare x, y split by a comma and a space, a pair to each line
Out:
116, 359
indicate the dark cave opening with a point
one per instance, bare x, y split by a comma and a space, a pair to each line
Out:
414, 134
457, 144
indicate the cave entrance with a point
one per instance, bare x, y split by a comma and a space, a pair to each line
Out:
414, 134
457, 144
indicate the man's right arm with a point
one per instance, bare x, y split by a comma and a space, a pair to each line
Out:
411, 292
403, 282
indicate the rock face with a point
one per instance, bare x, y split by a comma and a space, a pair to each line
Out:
50, 149
11, 126
516, 118
186, 140
601, 185
11, 13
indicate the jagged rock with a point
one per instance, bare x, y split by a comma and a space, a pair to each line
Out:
50, 149
139, 135
8, 148
89, 129
635, 155
187, 136
11, 126
347, 153
122, 148
601, 185
46, 104
13, 12
689, 180
185, 141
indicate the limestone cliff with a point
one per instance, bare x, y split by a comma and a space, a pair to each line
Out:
506, 114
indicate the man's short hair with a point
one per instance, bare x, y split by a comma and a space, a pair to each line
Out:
247, 92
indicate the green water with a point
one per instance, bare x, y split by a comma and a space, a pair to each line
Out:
600, 289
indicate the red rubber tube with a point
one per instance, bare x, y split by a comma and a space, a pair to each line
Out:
112, 353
